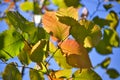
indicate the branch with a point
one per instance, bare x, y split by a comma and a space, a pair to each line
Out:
55, 51
98, 5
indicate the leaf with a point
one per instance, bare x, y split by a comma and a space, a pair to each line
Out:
111, 37
59, 58
112, 73
11, 73
59, 3
79, 61
39, 34
101, 22
66, 73
114, 18
54, 27
75, 28
11, 44
76, 54
37, 51
106, 63
70, 46
24, 54
84, 28
20, 23
35, 75
70, 11
107, 6
74, 3
103, 48
86, 74
26, 6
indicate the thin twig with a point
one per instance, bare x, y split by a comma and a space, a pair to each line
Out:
55, 51
47, 70
99, 3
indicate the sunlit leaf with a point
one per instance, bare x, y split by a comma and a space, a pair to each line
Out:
26, 6
74, 3
114, 18
104, 48
35, 75
60, 59
112, 73
70, 46
71, 12
105, 63
66, 73
75, 29
84, 28
20, 23
101, 22
86, 74
59, 3
111, 37
54, 27
76, 54
24, 54
107, 6
11, 44
79, 61
11, 73
37, 51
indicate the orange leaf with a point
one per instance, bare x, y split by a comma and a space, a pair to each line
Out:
76, 54
7, 0
54, 27
71, 46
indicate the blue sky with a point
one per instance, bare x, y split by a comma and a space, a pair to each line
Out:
94, 56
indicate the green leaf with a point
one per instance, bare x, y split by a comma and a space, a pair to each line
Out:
39, 34
101, 22
74, 3
20, 23
85, 29
35, 75
11, 73
112, 73
24, 54
103, 48
12, 43
60, 59
111, 37
71, 12
37, 52
27, 6
86, 74
107, 6
105, 63
66, 73
112, 16
59, 3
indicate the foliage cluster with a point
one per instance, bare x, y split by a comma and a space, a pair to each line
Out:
62, 35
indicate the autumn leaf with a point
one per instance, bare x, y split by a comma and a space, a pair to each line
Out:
76, 54
70, 46
54, 27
